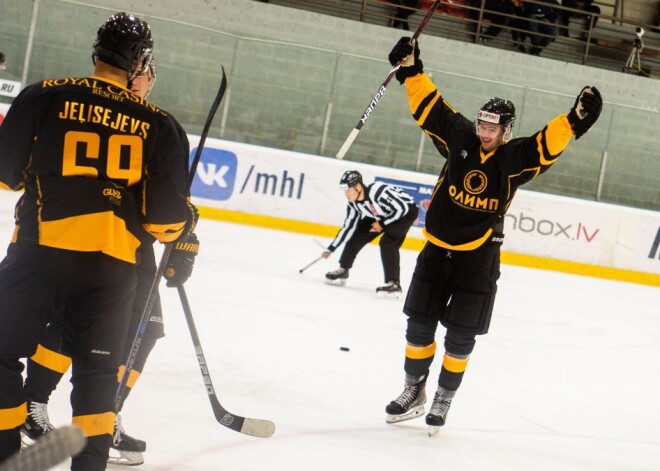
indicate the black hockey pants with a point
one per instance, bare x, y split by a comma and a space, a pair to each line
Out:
393, 236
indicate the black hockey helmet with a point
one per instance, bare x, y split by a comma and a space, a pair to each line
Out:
498, 111
349, 179
2, 61
124, 41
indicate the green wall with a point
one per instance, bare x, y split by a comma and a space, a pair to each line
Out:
300, 81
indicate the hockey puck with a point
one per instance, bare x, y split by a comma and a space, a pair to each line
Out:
344, 349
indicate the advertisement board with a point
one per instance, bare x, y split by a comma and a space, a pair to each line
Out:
247, 180
300, 192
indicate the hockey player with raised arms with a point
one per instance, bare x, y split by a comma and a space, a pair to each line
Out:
455, 279
372, 210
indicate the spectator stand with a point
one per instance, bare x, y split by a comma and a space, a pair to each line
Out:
606, 46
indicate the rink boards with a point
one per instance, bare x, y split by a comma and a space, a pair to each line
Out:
300, 192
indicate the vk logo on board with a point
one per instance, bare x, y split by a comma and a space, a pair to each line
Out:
216, 174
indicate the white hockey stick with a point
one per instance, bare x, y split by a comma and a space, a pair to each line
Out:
381, 90
317, 242
310, 264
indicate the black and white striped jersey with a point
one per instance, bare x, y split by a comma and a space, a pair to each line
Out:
383, 203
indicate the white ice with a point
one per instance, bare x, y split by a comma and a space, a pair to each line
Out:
567, 379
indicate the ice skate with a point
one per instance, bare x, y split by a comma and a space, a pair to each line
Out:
390, 290
125, 450
37, 423
410, 404
337, 277
437, 416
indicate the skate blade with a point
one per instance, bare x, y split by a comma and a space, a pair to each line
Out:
386, 295
26, 441
412, 414
433, 429
335, 282
125, 458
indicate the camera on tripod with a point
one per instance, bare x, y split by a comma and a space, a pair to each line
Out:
634, 63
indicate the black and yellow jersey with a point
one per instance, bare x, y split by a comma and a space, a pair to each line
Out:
474, 188
98, 165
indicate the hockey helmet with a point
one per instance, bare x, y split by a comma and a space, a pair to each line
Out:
349, 179
124, 41
2, 61
498, 111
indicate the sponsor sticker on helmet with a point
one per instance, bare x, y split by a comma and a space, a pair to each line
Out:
488, 117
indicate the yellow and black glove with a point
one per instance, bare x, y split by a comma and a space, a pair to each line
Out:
585, 111
408, 55
182, 258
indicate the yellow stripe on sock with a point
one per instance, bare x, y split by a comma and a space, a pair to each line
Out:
13, 417
95, 424
133, 376
453, 364
52, 360
415, 352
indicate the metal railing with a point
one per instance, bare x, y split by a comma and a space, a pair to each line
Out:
609, 45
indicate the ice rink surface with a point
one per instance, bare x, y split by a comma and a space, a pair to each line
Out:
567, 379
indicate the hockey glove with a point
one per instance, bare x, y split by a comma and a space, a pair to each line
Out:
585, 111
408, 55
182, 258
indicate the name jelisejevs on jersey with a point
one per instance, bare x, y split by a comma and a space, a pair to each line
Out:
97, 114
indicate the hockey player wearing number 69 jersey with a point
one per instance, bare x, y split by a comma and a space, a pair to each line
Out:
455, 278
50, 362
373, 210
98, 165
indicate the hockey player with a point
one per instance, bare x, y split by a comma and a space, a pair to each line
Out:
98, 165
47, 366
372, 210
455, 278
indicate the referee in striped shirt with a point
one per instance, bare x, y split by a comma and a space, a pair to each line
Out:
372, 210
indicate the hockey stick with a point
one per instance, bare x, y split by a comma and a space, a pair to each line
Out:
153, 291
50, 450
318, 242
309, 264
381, 90
254, 427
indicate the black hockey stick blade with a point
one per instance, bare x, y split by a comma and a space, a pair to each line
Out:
254, 427
381, 90
48, 451
259, 428
207, 126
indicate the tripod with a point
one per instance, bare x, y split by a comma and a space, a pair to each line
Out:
634, 62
